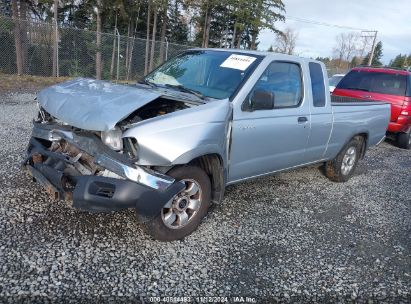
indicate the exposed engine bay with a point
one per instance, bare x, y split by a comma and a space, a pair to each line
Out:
157, 107
84, 164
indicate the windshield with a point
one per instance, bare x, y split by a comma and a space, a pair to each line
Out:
376, 82
213, 74
333, 81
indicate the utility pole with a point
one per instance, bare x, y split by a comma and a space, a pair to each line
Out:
372, 49
371, 34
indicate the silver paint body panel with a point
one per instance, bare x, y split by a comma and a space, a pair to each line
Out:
93, 104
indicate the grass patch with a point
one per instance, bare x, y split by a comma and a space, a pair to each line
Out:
10, 83
26, 83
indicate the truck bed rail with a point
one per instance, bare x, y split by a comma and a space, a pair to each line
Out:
344, 99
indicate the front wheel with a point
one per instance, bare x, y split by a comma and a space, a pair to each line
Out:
183, 213
404, 140
343, 166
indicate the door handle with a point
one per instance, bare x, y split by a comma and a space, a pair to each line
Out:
302, 119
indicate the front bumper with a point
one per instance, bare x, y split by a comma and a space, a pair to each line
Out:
145, 190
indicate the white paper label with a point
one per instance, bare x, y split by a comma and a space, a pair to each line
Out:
238, 62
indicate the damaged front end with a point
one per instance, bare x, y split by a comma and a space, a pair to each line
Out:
76, 166
96, 144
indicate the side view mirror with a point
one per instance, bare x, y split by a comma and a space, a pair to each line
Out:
262, 100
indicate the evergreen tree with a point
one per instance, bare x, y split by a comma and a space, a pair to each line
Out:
177, 30
376, 60
354, 61
399, 61
5, 7
236, 23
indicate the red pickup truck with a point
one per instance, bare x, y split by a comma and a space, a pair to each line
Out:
383, 84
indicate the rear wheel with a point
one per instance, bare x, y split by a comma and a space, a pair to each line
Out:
404, 140
183, 213
343, 166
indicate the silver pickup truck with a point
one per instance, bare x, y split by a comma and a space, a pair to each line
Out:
169, 145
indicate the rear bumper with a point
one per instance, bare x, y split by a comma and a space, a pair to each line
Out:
403, 125
148, 193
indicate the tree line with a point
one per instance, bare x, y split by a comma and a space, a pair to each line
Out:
352, 49
205, 23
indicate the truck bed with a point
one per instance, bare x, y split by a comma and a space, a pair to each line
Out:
356, 116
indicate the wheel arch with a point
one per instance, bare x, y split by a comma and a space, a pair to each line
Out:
213, 165
364, 145
363, 136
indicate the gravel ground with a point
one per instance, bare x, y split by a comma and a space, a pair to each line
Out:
291, 237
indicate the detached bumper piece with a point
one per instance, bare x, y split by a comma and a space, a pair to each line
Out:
58, 174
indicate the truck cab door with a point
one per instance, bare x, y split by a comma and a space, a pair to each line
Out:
269, 140
321, 114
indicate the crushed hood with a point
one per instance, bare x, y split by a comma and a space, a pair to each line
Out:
93, 104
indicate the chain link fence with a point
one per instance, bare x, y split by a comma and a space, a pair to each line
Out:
332, 70
122, 58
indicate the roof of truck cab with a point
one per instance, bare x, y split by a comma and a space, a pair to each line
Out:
257, 53
386, 70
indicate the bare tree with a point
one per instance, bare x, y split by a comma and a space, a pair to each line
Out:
55, 46
363, 44
240, 28
147, 39
98, 40
129, 30
205, 27
163, 30
17, 37
285, 42
113, 53
23, 35
206, 36
234, 34
347, 46
153, 39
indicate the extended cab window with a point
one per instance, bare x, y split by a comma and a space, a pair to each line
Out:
317, 84
284, 80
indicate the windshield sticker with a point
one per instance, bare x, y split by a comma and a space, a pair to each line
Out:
238, 62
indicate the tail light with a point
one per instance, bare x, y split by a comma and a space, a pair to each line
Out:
406, 107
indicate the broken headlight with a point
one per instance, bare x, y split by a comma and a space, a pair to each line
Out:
113, 139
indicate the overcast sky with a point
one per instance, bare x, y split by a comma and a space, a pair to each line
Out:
392, 20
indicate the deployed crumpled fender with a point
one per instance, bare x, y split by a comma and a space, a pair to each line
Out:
179, 137
93, 104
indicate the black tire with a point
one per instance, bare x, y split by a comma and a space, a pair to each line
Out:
157, 227
404, 140
334, 169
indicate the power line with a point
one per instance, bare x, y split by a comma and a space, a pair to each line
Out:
323, 23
